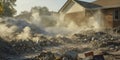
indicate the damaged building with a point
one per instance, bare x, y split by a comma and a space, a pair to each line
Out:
98, 15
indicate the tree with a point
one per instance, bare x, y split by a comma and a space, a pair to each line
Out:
41, 10
7, 7
44, 11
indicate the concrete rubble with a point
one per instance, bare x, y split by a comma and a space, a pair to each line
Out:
71, 47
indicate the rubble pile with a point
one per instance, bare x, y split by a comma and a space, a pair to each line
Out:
25, 46
28, 46
73, 55
69, 55
6, 49
43, 56
96, 41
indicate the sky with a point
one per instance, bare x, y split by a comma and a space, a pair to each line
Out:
53, 5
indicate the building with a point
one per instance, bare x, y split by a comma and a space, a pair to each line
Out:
98, 15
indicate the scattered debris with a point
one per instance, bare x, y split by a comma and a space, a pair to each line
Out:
71, 47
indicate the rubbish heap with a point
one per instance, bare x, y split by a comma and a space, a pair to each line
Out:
80, 43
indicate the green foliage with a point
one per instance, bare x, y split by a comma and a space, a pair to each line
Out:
7, 6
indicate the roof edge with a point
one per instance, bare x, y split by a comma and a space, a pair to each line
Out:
65, 5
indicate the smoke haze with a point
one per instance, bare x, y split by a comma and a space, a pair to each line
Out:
40, 21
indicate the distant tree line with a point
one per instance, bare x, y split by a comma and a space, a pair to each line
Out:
37, 9
6, 8
41, 10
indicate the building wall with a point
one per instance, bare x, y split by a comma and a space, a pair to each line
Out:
98, 19
116, 22
75, 14
109, 18
76, 8
72, 13
77, 17
87, 19
83, 18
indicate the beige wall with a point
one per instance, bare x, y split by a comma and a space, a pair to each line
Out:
76, 8
84, 19
73, 12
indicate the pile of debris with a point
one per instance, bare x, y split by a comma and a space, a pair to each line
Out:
97, 41
69, 55
74, 55
29, 46
6, 50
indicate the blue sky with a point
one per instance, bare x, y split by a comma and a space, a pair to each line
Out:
53, 5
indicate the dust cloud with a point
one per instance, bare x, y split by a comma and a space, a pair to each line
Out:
40, 21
